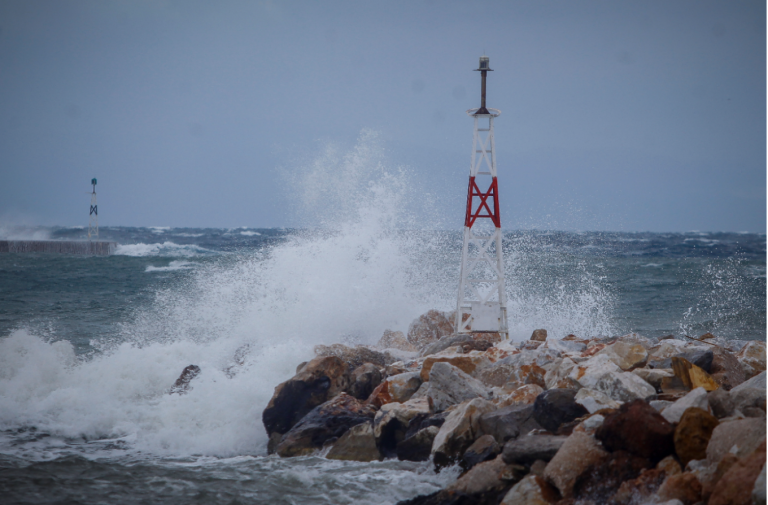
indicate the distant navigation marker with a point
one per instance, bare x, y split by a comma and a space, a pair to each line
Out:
482, 300
93, 224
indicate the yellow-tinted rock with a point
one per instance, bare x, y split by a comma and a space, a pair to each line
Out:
692, 376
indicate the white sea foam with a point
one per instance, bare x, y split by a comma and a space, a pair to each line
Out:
348, 280
167, 249
250, 233
173, 265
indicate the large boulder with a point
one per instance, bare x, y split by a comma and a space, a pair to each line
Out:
446, 342
395, 340
654, 376
638, 429
693, 433
721, 403
485, 448
319, 380
461, 428
354, 356
396, 388
324, 423
594, 400
357, 444
752, 358
531, 448
509, 422
364, 380
692, 376
418, 446
603, 479
625, 355
737, 485
684, 487
555, 407
429, 327
740, 437
696, 398
577, 455
489, 478
524, 395
392, 421
531, 490
466, 363
448, 385
726, 369
746, 398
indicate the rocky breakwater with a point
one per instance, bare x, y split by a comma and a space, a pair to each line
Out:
614, 420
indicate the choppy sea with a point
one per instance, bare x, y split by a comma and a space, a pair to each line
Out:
89, 346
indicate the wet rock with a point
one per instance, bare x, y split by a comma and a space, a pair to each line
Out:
460, 429
364, 380
391, 423
684, 487
566, 346
594, 400
395, 340
486, 479
638, 429
600, 482
625, 355
524, 395
531, 490
448, 385
743, 434
578, 454
745, 398
721, 403
758, 493
527, 449
726, 369
485, 448
696, 398
422, 421
692, 376
641, 489
555, 407
693, 433
357, 444
330, 420
508, 422
654, 376
181, 386
752, 358
446, 342
320, 380
467, 364
539, 335
418, 446
354, 356
429, 328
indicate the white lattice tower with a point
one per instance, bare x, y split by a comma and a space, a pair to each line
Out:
93, 222
482, 301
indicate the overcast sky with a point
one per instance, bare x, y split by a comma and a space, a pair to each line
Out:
631, 115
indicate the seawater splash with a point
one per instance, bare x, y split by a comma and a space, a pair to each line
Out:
365, 267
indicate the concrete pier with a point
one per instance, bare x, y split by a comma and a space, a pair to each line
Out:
99, 248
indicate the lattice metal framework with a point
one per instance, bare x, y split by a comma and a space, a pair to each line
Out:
93, 222
482, 301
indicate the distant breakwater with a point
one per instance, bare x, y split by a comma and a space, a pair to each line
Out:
99, 248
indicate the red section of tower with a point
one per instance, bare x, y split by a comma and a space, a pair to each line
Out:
474, 192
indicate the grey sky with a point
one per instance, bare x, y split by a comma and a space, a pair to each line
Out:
632, 115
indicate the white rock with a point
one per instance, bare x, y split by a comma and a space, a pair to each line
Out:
668, 348
758, 493
565, 346
626, 355
660, 405
635, 338
589, 372
448, 385
758, 381
653, 376
594, 400
696, 398
624, 386
594, 422
526, 492
460, 428
402, 412
557, 370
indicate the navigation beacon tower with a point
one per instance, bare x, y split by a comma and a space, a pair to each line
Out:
482, 300
93, 223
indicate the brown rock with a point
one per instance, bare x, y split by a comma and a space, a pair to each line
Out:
488, 477
380, 396
707, 336
429, 328
539, 335
328, 421
693, 376
577, 455
726, 369
461, 428
723, 466
354, 356
320, 380
467, 364
483, 449
693, 433
669, 466
531, 490
475, 345
181, 386
683, 486
639, 490
638, 429
395, 340
357, 444
735, 488
602, 481
364, 379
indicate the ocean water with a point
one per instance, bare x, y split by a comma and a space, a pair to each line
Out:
89, 346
